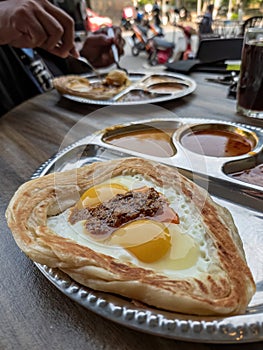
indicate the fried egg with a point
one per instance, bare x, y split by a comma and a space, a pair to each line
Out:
80, 84
176, 250
117, 77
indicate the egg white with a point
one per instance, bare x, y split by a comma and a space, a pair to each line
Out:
190, 224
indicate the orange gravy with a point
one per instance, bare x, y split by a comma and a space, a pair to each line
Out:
152, 142
217, 143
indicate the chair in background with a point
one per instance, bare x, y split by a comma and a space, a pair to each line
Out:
255, 21
216, 50
211, 56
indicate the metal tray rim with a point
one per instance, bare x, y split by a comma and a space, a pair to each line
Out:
227, 330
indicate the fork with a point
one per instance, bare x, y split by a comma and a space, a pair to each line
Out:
85, 60
114, 49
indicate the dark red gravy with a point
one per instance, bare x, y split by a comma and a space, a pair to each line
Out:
217, 143
252, 176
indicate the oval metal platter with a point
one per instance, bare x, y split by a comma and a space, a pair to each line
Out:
244, 328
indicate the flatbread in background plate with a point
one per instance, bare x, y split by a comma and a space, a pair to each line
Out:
138, 229
76, 85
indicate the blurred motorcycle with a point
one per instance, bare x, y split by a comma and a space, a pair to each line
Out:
190, 42
149, 39
159, 50
139, 39
127, 17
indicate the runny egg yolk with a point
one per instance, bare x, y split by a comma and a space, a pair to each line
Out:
148, 240
100, 193
154, 242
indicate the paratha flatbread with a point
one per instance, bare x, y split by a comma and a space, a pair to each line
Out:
76, 85
216, 282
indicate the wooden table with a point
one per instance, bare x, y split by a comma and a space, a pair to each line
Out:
34, 314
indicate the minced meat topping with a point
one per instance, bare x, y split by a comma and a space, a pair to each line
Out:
106, 217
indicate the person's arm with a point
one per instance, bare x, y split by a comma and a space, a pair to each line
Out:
37, 23
97, 47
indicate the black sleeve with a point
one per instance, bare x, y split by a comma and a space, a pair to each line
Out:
15, 84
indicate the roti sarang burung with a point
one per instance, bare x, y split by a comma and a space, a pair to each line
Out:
138, 229
113, 83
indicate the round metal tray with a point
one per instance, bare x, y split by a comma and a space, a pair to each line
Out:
139, 82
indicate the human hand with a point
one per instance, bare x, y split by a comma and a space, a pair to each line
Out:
37, 23
97, 47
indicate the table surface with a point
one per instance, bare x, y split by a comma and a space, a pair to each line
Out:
34, 313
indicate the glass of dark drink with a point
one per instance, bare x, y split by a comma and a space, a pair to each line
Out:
250, 86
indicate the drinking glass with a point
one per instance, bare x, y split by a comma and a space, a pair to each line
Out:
250, 85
